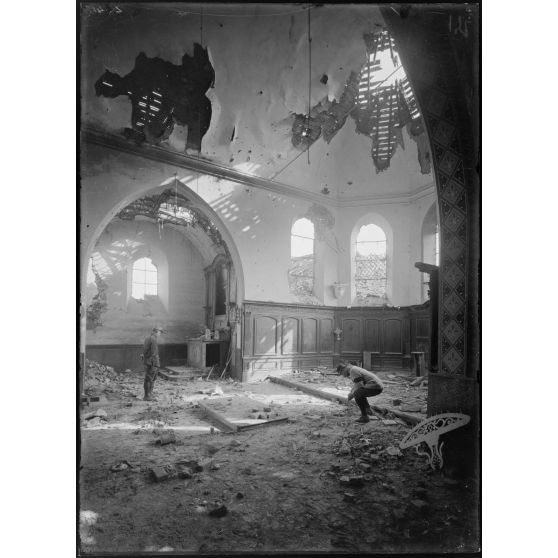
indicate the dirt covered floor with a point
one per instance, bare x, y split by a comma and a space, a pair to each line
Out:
318, 482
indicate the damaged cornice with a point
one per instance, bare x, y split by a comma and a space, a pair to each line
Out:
203, 166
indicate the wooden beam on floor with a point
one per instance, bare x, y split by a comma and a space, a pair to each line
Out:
271, 422
218, 418
407, 417
311, 391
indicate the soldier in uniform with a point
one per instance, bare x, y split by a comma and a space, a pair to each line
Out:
151, 361
365, 384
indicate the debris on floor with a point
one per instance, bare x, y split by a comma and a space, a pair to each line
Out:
303, 484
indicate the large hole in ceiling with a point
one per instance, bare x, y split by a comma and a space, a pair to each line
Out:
163, 94
379, 99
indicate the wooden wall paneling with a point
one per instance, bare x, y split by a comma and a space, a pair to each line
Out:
309, 335
265, 335
372, 335
393, 336
326, 335
351, 335
289, 336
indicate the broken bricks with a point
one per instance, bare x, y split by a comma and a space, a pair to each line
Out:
218, 511
162, 473
352, 480
166, 437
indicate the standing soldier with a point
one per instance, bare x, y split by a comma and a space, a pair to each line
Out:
151, 362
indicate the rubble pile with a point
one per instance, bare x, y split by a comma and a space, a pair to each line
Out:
97, 373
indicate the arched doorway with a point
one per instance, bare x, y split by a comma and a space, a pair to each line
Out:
176, 237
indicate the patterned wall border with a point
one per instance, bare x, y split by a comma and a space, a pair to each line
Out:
431, 67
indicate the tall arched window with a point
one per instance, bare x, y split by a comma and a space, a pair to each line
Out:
371, 266
144, 278
301, 272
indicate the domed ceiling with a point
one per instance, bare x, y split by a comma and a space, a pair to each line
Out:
247, 84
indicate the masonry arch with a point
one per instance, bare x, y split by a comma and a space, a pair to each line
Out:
104, 217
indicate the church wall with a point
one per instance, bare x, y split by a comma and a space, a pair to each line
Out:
179, 304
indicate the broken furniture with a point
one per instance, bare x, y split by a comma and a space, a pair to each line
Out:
418, 365
433, 283
429, 432
204, 353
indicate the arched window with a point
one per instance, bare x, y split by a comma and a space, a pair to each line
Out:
301, 272
144, 278
371, 266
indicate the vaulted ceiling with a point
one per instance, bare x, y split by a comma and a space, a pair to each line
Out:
265, 73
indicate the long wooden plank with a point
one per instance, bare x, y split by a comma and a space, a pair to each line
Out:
413, 419
311, 391
218, 418
271, 422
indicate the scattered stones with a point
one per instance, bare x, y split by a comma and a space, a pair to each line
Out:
365, 467
121, 466
185, 472
389, 422
393, 451
419, 504
417, 381
239, 496
396, 402
219, 511
160, 474
101, 413
411, 408
267, 409
348, 497
234, 444
166, 437
353, 480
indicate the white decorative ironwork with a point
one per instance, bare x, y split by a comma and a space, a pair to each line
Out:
429, 431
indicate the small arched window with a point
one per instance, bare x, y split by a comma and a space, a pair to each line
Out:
144, 278
371, 266
301, 272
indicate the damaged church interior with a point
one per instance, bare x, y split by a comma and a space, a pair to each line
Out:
274, 199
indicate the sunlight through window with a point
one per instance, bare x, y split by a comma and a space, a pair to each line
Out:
301, 272
144, 278
371, 265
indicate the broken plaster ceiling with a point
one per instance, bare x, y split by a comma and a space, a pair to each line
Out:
261, 82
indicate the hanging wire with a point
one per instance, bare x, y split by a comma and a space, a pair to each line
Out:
199, 114
309, 83
343, 116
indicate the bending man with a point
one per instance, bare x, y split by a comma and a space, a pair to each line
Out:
365, 384
151, 362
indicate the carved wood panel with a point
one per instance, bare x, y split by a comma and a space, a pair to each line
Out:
351, 335
326, 335
265, 335
372, 335
309, 335
392, 337
289, 336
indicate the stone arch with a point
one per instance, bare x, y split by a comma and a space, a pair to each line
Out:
436, 61
124, 200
